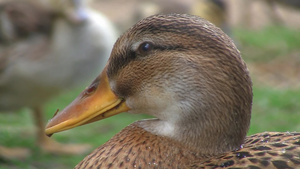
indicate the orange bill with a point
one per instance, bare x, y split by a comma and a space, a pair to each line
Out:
95, 103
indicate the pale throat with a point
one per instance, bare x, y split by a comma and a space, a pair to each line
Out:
163, 103
169, 116
158, 127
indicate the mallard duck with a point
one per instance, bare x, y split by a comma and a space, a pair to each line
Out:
188, 74
214, 11
45, 51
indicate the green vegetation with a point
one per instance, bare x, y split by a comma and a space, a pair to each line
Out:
273, 109
267, 44
18, 130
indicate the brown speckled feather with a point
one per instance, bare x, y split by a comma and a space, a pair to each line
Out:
134, 147
276, 150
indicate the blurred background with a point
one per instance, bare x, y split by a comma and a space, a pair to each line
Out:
80, 35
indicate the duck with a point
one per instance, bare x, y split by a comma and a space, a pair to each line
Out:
214, 11
45, 50
190, 76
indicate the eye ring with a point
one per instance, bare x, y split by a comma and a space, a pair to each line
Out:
145, 47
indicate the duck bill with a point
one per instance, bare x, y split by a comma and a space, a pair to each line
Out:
95, 103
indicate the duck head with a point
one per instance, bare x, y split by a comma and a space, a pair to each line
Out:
179, 68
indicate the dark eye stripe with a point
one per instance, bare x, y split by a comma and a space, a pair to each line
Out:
131, 55
176, 47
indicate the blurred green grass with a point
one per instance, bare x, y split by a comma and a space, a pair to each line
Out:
273, 109
267, 44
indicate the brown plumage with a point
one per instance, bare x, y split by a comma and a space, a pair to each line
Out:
25, 19
133, 147
189, 75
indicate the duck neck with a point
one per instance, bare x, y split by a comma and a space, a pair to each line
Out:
206, 136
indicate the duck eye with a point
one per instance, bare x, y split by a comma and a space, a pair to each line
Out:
145, 47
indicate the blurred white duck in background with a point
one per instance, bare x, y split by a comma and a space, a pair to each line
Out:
44, 51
